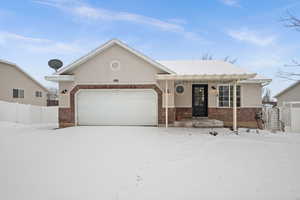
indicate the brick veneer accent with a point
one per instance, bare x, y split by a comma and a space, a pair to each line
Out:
171, 115
184, 113
67, 115
245, 116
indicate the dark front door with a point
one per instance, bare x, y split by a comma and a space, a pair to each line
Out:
199, 100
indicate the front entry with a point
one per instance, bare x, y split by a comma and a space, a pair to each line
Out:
199, 100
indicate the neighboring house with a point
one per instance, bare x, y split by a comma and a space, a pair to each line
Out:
290, 94
117, 85
17, 86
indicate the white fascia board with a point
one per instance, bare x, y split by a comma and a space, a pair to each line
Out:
262, 81
60, 78
206, 77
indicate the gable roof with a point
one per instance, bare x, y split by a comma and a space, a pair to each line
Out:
287, 89
106, 45
26, 74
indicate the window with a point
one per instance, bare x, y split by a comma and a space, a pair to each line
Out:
38, 94
179, 89
21, 93
226, 96
18, 93
15, 93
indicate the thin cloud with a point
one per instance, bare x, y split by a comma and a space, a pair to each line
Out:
87, 12
252, 37
102, 14
37, 44
230, 2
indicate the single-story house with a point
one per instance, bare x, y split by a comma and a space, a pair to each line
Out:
117, 85
19, 87
290, 94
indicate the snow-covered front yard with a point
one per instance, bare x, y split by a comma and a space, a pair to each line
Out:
111, 163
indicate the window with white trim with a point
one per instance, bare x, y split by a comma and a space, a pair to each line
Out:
18, 93
226, 96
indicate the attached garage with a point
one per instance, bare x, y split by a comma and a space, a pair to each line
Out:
116, 107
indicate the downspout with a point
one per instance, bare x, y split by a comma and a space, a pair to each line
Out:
166, 103
234, 108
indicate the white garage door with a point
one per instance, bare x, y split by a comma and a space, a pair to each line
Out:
117, 107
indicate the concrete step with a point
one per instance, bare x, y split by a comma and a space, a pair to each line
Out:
199, 123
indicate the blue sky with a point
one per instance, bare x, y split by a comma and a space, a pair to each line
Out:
34, 31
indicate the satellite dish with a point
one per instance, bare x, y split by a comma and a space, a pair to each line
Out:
55, 64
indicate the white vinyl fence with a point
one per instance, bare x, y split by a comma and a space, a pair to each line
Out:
27, 114
290, 116
271, 118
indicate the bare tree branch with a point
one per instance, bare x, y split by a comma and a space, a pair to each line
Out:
291, 21
208, 56
295, 64
289, 75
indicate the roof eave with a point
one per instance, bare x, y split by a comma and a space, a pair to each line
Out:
262, 81
60, 78
226, 77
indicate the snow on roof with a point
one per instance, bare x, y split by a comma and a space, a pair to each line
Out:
209, 67
201, 67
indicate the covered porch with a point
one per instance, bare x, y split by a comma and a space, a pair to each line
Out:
193, 101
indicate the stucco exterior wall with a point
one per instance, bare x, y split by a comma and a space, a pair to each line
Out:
133, 70
251, 95
11, 77
292, 94
64, 99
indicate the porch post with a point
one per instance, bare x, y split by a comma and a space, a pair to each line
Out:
234, 108
166, 103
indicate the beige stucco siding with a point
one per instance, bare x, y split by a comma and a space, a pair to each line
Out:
11, 77
133, 70
64, 99
292, 94
251, 95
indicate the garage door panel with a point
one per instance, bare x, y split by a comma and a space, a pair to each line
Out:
117, 107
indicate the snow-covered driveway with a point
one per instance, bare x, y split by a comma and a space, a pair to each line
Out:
111, 163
